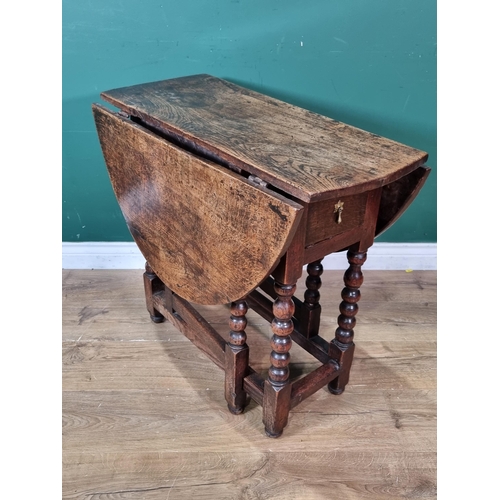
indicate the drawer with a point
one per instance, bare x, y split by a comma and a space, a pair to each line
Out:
323, 221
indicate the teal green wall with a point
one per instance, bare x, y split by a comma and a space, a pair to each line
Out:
369, 63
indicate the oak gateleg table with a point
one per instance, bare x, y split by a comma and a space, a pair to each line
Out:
228, 194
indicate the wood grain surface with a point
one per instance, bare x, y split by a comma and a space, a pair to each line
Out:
144, 413
322, 221
209, 234
304, 154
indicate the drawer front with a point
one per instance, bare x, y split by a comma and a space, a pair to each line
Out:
332, 217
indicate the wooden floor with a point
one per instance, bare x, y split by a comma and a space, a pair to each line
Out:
144, 415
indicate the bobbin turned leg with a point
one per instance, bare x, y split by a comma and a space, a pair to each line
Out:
277, 388
152, 284
236, 358
310, 314
342, 347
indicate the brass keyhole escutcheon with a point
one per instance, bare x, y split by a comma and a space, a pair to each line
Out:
339, 207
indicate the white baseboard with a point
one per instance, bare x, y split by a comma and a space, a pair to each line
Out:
391, 257
125, 255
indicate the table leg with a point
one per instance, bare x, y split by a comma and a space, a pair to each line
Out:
152, 284
342, 347
236, 358
311, 312
277, 388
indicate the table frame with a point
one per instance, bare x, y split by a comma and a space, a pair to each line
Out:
291, 319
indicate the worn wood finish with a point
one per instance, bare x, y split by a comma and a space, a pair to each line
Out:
397, 197
258, 133
277, 387
289, 268
253, 385
342, 346
225, 191
209, 234
236, 368
310, 312
264, 307
313, 382
190, 322
143, 410
323, 221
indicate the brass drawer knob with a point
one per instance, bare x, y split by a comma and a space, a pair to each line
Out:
339, 207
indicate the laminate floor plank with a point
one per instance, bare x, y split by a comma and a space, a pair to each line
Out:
144, 415
252, 475
152, 365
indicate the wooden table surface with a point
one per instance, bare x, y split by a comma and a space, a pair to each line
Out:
305, 154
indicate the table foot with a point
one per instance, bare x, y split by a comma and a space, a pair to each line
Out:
157, 318
275, 407
236, 410
337, 391
273, 434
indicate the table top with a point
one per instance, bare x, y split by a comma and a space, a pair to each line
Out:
306, 155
